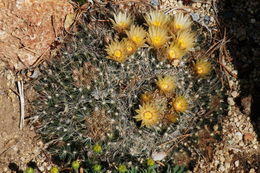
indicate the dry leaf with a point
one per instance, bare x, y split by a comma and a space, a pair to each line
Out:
248, 137
70, 18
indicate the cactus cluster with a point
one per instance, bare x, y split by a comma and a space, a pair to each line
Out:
119, 102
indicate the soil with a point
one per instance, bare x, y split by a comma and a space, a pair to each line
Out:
18, 147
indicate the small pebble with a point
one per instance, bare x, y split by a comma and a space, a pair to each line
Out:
221, 168
195, 16
216, 163
41, 168
237, 163
158, 156
252, 20
252, 170
215, 127
241, 143
206, 19
154, 2
231, 101
222, 159
227, 165
234, 94
198, 5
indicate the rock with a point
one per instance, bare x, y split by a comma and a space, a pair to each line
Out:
252, 20
198, 4
207, 19
231, 101
221, 168
158, 156
252, 170
41, 168
27, 29
238, 136
227, 165
222, 159
234, 94
237, 163
195, 17
154, 2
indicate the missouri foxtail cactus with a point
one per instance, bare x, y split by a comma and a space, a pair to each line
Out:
116, 102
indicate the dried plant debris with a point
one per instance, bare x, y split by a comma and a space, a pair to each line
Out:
133, 87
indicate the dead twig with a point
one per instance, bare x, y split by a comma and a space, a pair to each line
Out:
174, 139
22, 103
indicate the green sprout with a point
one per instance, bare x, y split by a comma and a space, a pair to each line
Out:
54, 169
97, 148
97, 168
29, 170
75, 166
122, 169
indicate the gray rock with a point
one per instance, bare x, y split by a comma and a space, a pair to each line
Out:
154, 2
195, 17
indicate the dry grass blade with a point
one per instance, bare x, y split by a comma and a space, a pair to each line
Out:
22, 103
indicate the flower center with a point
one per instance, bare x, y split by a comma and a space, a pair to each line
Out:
136, 39
129, 49
118, 53
182, 44
172, 54
157, 40
164, 86
156, 23
180, 106
148, 115
178, 27
122, 25
200, 70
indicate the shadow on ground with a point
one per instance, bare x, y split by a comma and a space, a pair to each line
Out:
241, 20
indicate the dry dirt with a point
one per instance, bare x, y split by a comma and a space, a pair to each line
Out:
17, 147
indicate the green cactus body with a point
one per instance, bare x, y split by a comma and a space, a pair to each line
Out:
85, 98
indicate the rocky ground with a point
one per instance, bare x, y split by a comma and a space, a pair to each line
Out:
239, 149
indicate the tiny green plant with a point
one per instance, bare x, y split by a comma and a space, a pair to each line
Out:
75, 166
29, 170
54, 169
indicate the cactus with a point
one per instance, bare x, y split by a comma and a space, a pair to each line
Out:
88, 97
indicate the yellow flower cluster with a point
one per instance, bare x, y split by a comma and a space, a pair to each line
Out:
171, 35
154, 105
136, 36
173, 38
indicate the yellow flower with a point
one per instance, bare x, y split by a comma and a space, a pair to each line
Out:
148, 114
116, 51
150, 162
185, 40
157, 19
180, 104
146, 97
157, 37
130, 47
174, 52
137, 34
121, 21
181, 22
166, 84
202, 67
